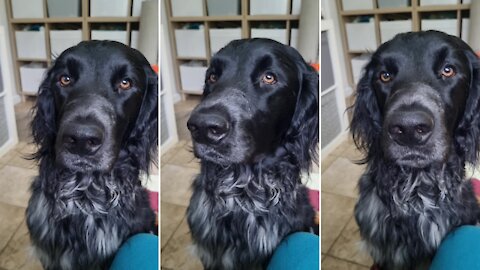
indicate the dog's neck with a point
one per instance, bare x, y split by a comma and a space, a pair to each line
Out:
407, 189
263, 178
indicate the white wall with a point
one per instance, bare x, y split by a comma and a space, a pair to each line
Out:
329, 11
4, 23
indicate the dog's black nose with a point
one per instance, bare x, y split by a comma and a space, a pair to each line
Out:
83, 139
208, 127
410, 128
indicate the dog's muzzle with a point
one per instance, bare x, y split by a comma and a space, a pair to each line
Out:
414, 133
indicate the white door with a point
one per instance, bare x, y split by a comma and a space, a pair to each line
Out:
8, 129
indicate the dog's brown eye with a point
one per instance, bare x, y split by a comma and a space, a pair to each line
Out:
385, 76
65, 80
125, 84
212, 78
269, 78
448, 71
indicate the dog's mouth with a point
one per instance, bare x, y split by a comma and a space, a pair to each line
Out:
209, 153
414, 160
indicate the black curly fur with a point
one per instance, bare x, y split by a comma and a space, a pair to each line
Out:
248, 199
404, 211
78, 218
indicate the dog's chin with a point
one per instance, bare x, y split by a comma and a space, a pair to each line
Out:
211, 154
74, 163
413, 161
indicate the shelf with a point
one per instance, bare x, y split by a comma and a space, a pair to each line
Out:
182, 58
32, 60
47, 20
404, 10
112, 19
272, 17
443, 8
206, 18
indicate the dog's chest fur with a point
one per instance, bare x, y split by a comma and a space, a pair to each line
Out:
82, 220
413, 210
239, 219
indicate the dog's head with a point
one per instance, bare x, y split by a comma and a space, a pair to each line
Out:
417, 101
259, 95
98, 98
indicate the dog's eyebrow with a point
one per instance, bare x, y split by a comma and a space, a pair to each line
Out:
439, 56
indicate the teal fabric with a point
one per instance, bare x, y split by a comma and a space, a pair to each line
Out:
138, 252
298, 251
459, 250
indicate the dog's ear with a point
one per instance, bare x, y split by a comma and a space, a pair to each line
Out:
366, 116
303, 131
468, 132
43, 125
144, 137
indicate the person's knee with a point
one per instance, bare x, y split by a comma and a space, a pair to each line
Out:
138, 252
298, 251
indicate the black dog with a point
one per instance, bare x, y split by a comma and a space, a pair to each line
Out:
95, 124
416, 117
255, 130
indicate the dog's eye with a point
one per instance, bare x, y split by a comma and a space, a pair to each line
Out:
65, 80
125, 84
269, 78
212, 78
448, 71
385, 76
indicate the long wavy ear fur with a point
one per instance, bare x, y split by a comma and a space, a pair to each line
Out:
303, 130
43, 125
468, 131
366, 122
143, 141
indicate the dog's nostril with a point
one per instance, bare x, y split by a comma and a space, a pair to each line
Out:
395, 130
422, 129
192, 127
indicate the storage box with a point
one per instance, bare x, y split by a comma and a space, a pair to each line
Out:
137, 8
437, 2
389, 29
358, 63
294, 38
296, 7
61, 40
393, 3
134, 39
116, 35
279, 35
31, 44
465, 29
182, 8
357, 4
64, 8
192, 78
221, 37
34, 10
109, 8
223, 7
448, 26
268, 7
31, 78
190, 42
361, 36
